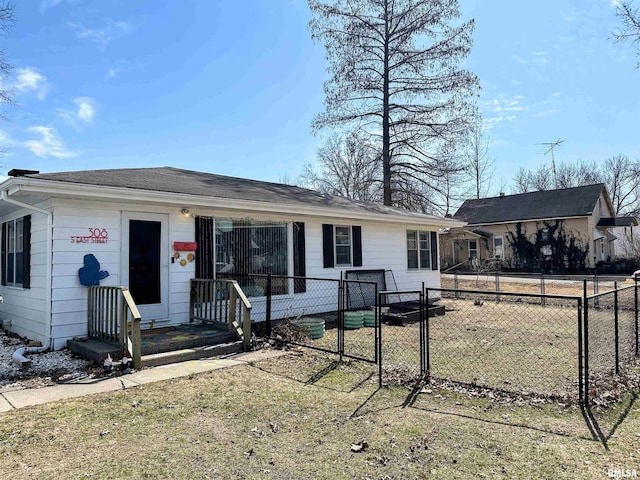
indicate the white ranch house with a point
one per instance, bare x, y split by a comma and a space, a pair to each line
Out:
155, 229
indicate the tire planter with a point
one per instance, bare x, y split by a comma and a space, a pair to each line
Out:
312, 327
369, 317
353, 320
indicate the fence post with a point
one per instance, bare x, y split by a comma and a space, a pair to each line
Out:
456, 285
268, 307
580, 353
615, 326
542, 291
340, 318
380, 341
635, 304
585, 331
497, 286
377, 322
427, 351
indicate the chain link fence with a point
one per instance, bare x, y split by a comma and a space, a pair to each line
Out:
403, 341
571, 285
611, 341
515, 342
574, 347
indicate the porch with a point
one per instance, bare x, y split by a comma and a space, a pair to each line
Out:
220, 324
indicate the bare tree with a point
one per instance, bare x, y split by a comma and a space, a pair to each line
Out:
6, 22
480, 167
629, 15
347, 165
623, 181
532, 180
521, 181
394, 72
618, 173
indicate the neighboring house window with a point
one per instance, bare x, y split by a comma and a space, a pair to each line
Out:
16, 252
418, 250
545, 249
473, 249
341, 245
498, 250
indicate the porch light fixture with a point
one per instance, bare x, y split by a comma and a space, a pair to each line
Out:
185, 212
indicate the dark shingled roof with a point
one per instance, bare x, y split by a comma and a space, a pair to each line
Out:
617, 222
563, 203
176, 180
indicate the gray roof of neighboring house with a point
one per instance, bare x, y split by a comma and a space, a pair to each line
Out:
563, 203
176, 180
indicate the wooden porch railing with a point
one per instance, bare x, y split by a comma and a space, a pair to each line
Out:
113, 316
221, 302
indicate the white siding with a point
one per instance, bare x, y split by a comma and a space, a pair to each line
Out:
383, 247
26, 308
68, 297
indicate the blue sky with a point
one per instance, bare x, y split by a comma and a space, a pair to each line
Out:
231, 87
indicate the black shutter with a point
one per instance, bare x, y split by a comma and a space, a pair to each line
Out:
434, 251
299, 258
26, 252
327, 246
4, 253
205, 258
357, 246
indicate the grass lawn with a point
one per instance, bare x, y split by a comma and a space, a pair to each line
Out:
264, 421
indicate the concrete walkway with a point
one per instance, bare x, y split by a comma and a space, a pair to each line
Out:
13, 399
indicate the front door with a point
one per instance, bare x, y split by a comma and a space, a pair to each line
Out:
146, 262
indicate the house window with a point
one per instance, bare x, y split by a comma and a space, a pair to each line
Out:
418, 250
546, 248
342, 246
473, 249
246, 248
498, 250
16, 252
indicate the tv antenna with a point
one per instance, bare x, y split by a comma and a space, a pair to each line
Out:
551, 146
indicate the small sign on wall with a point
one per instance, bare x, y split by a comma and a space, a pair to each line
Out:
96, 235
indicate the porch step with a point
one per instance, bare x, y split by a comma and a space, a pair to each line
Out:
186, 354
164, 345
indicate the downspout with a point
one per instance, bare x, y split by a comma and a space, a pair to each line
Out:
48, 325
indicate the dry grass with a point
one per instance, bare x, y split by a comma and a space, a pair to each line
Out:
551, 287
247, 423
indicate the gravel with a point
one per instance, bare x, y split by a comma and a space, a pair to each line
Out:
46, 368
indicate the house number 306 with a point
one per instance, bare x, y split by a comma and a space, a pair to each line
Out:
98, 233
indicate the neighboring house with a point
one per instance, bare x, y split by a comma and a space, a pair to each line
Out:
627, 243
155, 229
524, 230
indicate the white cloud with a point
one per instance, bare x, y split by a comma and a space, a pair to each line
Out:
30, 80
518, 59
112, 72
49, 144
104, 35
6, 140
46, 4
82, 115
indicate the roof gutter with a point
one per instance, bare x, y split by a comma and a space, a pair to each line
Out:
4, 196
101, 192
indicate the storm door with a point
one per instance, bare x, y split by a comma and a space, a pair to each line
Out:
145, 261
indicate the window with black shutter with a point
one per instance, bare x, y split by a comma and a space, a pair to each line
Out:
16, 252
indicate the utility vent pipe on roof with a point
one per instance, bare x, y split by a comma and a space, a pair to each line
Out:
18, 172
